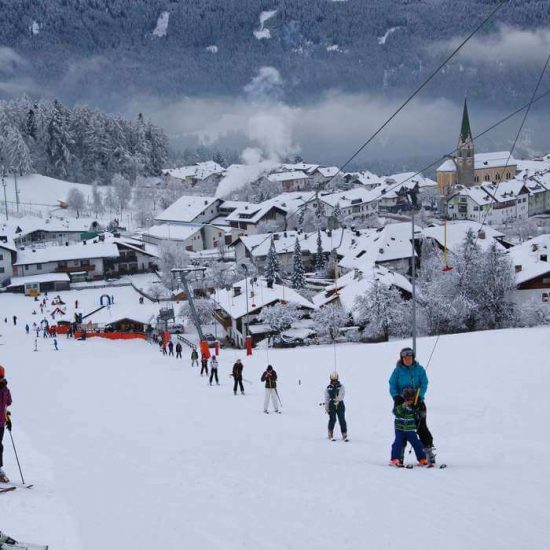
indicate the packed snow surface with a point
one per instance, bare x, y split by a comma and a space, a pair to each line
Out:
130, 449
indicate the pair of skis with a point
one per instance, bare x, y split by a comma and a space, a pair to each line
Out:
411, 466
7, 488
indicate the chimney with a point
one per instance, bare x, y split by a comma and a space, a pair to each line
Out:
236, 291
517, 268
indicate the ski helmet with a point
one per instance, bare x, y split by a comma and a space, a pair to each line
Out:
407, 352
334, 375
408, 393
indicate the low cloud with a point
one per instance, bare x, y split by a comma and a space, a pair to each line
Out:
14, 77
508, 45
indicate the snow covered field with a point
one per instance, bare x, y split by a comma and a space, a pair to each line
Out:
129, 449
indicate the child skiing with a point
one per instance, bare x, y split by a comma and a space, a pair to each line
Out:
238, 376
408, 373
5, 402
335, 407
405, 430
270, 378
204, 365
214, 370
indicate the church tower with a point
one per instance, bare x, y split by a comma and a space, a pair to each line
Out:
465, 152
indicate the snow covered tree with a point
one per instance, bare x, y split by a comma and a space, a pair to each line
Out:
495, 293
383, 312
171, 255
123, 191
75, 200
204, 309
58, 142
272, 268
329, 320
298, 271
338, 214
279, 316
18, 155
97, 201
319, 255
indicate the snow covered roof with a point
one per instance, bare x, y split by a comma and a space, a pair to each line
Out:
42, 278
286, 176
456, 233
357, 283
539, 165
259, 296
172, 232
506, 190
478, 194
28, 224
187, 209
410, 178
79, 251
389, 243
309, 168
8, 243
198, 171
530, 259
144, 313
328, 171
368, 178
352, 197
498, 159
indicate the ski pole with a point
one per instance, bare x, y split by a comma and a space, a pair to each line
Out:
9, 426
277, 393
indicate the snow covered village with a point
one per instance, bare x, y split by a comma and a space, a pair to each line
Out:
233, 351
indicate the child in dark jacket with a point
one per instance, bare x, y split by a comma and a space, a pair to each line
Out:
405, 430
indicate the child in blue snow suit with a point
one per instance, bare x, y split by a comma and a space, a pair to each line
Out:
405, 430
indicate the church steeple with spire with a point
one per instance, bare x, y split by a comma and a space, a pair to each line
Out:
465, 152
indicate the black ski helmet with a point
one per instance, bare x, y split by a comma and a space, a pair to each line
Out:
407, 352
408, 393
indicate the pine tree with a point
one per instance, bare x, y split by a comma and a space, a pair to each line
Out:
17, 152
337, 214
272, 268
319, 256
298, 277
58, 143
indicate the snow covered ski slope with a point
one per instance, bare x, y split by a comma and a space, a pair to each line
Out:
121, 440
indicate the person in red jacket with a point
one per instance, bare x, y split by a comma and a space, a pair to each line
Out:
5, 402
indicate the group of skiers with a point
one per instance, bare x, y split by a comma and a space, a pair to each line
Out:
167, 348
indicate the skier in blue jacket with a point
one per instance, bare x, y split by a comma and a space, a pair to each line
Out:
410, 374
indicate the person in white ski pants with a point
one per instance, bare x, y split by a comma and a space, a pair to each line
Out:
270, 379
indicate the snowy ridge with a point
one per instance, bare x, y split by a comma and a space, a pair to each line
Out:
161, 27
264, 33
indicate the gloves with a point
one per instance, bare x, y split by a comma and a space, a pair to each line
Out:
8, 421
398, 400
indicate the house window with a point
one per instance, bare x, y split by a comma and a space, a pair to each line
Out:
498, 176
85, 262
61, 264
487, 178
1, 256
2, 270
546, 280
476, 179
508, 176
544, 258
39, 267
26, 268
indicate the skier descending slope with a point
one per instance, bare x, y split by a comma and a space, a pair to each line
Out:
335, 407
410, 374
5, 402
405, 430
238, 376
270, 378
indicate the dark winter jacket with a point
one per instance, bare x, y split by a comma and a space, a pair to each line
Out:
408, 377
178, 347
5, 401
194, 355
334, 394
405, 418
238, 371
270, 378
170, 346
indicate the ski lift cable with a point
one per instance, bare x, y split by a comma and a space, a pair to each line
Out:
420, 88
520, 129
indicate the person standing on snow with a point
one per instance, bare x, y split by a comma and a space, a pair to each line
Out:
204, 364
55, 344
194, 358
335, 407
237, 375
171, 348
214, 370
27, 328
5, 402
270, 378
410, 374
178, 350
405, 430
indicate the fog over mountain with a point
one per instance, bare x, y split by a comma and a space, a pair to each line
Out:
316, 75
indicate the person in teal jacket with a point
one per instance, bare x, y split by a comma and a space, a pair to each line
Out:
410, 374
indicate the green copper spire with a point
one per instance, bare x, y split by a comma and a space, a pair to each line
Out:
465, 131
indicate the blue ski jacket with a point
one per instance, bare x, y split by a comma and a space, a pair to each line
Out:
408, 377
